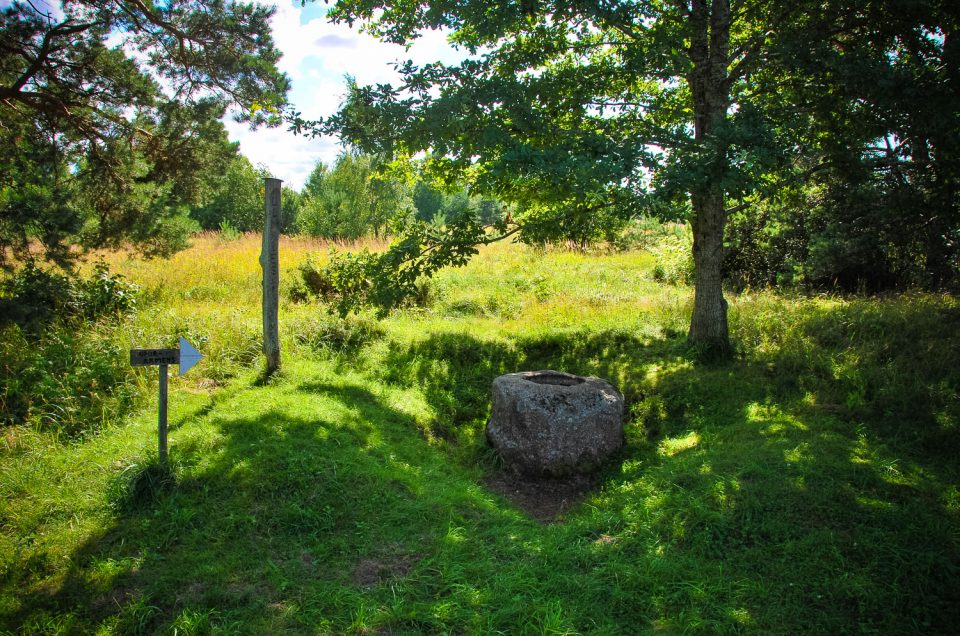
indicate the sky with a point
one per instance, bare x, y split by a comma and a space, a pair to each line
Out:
317, 56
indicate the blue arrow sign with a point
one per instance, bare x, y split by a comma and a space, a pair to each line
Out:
189, 356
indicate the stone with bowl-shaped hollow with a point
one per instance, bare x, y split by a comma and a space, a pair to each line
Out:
554, 424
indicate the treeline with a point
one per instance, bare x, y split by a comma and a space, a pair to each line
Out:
860, 224
351, 199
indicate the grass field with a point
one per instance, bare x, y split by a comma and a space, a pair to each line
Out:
810, 486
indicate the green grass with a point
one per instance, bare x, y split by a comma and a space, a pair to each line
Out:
811, 486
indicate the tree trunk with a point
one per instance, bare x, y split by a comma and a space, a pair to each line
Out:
708, 324
709, 43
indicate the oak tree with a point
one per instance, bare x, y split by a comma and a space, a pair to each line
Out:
574, 109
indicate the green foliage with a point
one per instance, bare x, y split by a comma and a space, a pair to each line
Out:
433, 206
674, 257
332, 334
428, 201
843, 234
59, 374
645, 232
351, 200
291, 202
580, 228
389, 279
313, 187
235, 201
228, 232
313, 281
94, 152
64, 381
873, 204
104, 293
34, 297
236, 198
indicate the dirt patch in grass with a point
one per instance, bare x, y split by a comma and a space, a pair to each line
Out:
116, 597
543, 499
371, 571
191, 594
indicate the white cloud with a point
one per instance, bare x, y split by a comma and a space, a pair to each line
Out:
318, 55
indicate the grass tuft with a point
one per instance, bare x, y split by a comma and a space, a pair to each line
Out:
141, 484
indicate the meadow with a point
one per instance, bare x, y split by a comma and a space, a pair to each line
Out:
810, 486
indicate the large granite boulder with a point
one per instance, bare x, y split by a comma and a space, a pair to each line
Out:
554, 424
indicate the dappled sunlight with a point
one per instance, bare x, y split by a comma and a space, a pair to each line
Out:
774, 422
353, 493
724, 493
671, 446
455, 535
798, 454
876, 504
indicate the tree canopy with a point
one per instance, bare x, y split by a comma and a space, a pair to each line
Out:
351, 199
699, 108
111, 115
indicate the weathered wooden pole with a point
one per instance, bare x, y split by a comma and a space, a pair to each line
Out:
162, 419
270, 263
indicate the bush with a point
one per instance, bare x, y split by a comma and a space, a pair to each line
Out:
104, 294
56, 375
674, 254
34, 298
63, 381
315, 279
859, 231
330, 333
320, 281
579, 227
228, 232
644, 233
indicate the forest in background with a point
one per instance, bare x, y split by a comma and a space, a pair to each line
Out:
836, 157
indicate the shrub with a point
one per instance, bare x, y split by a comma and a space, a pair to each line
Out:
228, 231
326, 332
315, 279
674, 254
103, 294
644, 233
56, 375
63, 381
34, 298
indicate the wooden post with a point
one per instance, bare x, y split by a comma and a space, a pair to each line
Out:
270, 263
162, 423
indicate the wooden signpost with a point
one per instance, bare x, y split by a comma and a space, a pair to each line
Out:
186, 356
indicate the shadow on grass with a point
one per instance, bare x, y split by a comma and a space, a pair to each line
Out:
749, 509
455, 370
844, 513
